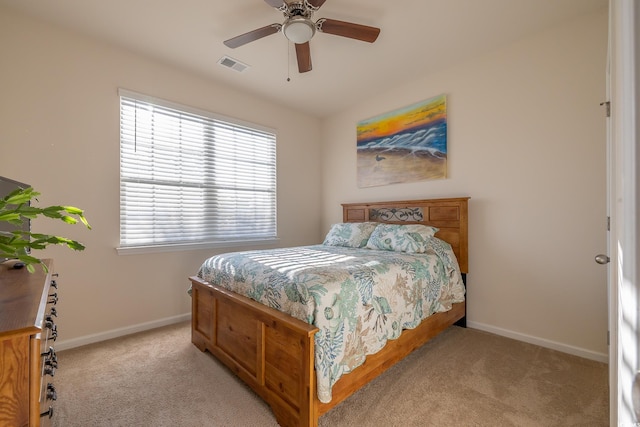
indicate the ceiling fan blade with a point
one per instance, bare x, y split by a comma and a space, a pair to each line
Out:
276, 3
348, 29
315, 3
303, 53
245, 38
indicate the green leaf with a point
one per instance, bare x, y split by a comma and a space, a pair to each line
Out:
76, 246
69, 219
15, 208
7, 249
20, 196
9, 216
29, 259
52, 212
28, 211
84, 221
73, 210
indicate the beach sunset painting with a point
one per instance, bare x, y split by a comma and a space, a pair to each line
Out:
405, 145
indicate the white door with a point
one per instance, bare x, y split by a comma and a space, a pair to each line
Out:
624, 202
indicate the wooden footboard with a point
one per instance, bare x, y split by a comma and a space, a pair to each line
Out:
273, 353
270, 351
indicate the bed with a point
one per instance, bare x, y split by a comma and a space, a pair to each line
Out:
275, 353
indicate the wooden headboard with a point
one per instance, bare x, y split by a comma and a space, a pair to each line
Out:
449, 215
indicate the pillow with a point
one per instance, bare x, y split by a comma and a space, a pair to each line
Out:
411, 238
350, 234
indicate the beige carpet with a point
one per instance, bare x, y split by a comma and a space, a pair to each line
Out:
463, 377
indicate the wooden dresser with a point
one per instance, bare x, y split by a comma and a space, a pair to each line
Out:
27, 333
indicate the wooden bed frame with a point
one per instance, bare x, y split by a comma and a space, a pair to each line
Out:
273, 353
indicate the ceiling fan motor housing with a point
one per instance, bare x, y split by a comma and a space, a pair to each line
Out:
299, 9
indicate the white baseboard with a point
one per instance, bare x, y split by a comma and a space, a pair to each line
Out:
576, 351
115, 333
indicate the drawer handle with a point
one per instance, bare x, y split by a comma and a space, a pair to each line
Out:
53, 298
53, 328
49, 370
54, 284
50, 354
48, 413
51, 392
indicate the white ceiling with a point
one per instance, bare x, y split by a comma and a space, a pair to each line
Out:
417, 37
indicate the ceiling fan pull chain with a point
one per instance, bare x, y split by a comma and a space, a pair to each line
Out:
288, 60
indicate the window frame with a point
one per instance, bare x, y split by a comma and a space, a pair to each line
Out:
182, 246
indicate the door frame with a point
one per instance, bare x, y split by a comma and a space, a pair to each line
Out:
624, 295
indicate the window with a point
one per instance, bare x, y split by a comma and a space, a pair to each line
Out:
191, 178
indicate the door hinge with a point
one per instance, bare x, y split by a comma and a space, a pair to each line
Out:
607, 104
608, 223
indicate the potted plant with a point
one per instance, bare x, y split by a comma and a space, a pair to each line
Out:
16, 208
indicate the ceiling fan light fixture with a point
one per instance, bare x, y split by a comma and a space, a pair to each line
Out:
298, 29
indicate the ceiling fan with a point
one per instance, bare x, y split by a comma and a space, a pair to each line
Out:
299, 29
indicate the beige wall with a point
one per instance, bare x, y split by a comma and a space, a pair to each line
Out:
527, 144
59, 131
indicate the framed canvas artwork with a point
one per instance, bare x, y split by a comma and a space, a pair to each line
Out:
405, 145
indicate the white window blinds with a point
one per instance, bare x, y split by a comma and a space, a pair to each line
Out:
187, 177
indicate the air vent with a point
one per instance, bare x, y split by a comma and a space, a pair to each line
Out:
233, 64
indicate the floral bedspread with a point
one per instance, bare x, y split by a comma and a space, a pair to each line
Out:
358, 298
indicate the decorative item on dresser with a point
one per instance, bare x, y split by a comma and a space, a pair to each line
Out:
16, 213
274, 353
27, 356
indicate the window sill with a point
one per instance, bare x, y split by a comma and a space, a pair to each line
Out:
135, 250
